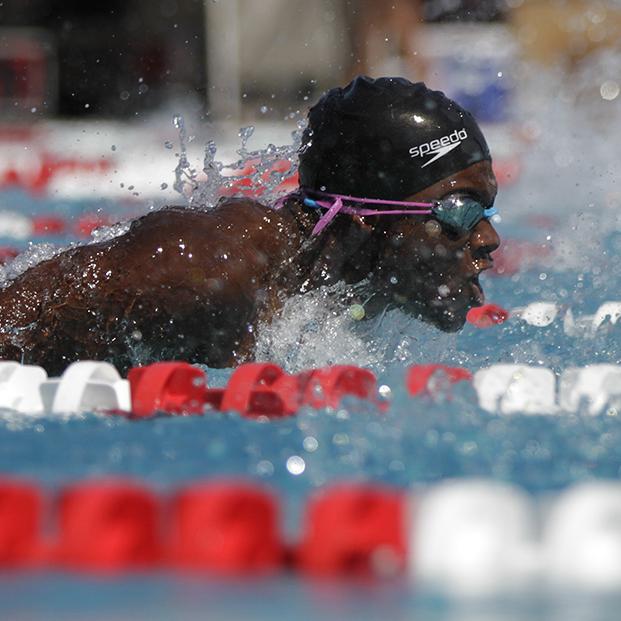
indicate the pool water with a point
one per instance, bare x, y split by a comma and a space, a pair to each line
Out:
414, 444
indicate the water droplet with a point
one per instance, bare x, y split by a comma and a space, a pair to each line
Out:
168, 144
265, 468
263, 109
356, 312
310, 444
609, 90
296, 465
245, 133
163, 186
385, 392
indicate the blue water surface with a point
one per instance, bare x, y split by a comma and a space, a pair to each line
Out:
416, 442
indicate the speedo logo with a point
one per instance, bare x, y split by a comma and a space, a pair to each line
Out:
439, 147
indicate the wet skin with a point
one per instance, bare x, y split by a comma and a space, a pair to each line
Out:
431, 271
194, 285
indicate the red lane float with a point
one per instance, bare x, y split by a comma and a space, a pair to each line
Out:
222, 527
48, 166
48, 225
20, 517
173, 387
107, 526
327, 387
354, 529
487, 315
88, 222
227, 528
7, 253
254, 389
419, 376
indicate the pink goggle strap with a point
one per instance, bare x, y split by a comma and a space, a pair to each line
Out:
336, 206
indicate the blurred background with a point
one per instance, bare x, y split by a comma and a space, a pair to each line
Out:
110, 109
226, 57
114, 74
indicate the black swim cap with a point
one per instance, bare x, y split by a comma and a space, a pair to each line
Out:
386, 138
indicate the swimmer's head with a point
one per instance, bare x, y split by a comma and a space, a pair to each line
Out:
394, 140
386, 138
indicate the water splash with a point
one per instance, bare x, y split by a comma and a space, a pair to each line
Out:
317, 329
34, 254
261, 174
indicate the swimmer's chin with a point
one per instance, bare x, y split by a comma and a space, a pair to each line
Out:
449, 322
445, 318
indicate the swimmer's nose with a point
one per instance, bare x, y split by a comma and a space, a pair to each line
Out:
483, 241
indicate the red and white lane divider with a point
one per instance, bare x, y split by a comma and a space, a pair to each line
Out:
543, 314
265, 390
253, 389
21, 227
469, 537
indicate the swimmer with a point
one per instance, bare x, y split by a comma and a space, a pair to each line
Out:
396, 193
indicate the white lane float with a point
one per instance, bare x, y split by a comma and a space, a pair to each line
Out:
86, 386
539, 314
589, 388
582, 538
19, 387
609, 311
474, 538
587, 326
543, 314
15, 225
515, 388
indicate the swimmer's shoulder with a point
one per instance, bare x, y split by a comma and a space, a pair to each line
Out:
227, 212
230, 222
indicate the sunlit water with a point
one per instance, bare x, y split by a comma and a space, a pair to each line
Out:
568, 178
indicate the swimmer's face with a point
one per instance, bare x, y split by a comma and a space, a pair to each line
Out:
431, 271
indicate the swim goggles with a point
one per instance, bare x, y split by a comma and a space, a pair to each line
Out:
459, 212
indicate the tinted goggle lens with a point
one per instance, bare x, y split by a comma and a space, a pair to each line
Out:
461, 213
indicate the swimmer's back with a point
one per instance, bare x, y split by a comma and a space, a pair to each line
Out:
181, 282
